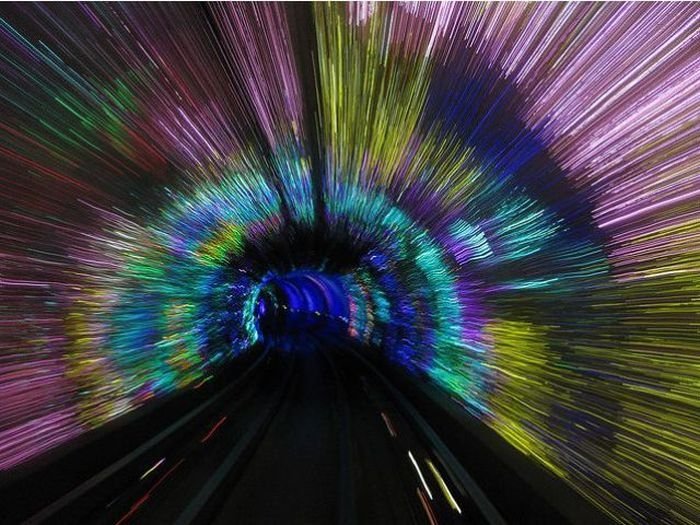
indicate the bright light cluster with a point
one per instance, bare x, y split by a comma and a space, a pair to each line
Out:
518, 182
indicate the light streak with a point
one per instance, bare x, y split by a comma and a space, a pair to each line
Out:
143, 499
213, 430
389, 425
426, 507
443, 486
420, 474
159, 463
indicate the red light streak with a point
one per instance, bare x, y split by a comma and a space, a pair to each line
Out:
213, 429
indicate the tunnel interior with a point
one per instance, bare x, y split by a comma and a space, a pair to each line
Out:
300, 302
493, 206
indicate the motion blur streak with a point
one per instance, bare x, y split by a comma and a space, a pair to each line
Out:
501, 198
420, 474
443, 486
158, 464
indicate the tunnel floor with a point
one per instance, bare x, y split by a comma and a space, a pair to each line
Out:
307, 431
326, 445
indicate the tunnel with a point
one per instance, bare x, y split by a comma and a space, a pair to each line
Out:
349, 263
302, 301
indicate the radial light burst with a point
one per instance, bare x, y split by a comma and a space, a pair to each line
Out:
515, 188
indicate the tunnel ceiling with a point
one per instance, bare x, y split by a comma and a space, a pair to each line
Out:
501, 198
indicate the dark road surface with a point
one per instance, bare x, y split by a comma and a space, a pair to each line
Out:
313, 437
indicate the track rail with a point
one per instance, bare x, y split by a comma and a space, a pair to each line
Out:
81, 490
204, 504
457, 473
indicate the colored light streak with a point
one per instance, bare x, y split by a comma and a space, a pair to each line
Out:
426, 507
213, 430
443, 487
389, 425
